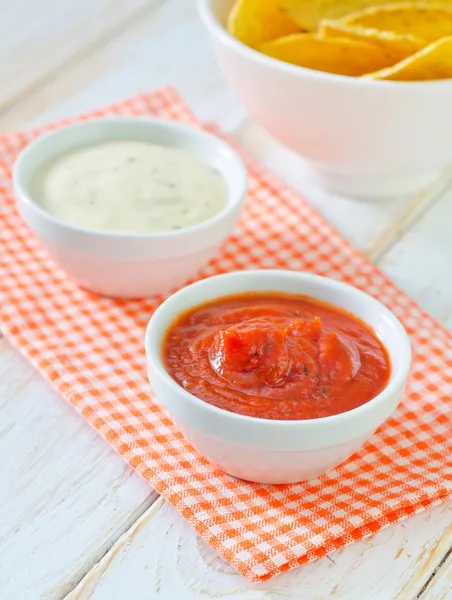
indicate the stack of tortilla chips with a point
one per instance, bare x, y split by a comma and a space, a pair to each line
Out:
408, 41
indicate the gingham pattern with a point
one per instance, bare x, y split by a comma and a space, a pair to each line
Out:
91, 350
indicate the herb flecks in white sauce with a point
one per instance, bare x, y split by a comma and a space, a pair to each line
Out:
130, 187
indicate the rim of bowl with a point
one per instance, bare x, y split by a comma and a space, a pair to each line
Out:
211, 20
234, 200
154, 354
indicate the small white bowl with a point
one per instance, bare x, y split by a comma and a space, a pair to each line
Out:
358, 137
274, 451
130, 265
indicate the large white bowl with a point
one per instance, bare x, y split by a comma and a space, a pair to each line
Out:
360, 138
273, 451
120, 264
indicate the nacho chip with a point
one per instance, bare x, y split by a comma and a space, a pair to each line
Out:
397, 45
420, 20
433, 62
334, 55
254, 22
309, 13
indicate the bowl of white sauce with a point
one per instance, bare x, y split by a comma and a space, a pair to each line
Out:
130, 207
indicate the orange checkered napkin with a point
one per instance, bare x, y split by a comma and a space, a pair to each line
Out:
91, 349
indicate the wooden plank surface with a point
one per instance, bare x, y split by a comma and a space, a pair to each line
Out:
440, 585
420, 261
167, 44
65, 497
41, 38
161, 557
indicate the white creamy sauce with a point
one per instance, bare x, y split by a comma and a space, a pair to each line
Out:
130, 187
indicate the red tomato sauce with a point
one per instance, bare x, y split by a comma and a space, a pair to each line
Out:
276, 356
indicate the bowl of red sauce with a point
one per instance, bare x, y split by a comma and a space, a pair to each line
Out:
276, 376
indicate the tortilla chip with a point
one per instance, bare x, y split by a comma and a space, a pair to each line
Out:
433, 62
334, 55
397, 45
309, 13
422, 21
254, 22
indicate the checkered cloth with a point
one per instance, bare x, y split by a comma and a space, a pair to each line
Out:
91, 349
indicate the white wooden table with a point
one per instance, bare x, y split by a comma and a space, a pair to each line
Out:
75, 521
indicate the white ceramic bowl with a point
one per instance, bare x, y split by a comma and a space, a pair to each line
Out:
271, 451
360, 138
129, 265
